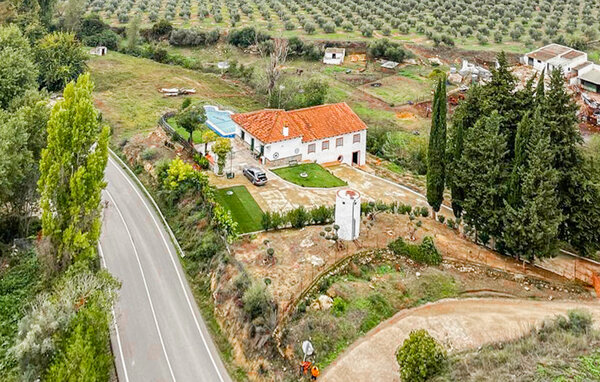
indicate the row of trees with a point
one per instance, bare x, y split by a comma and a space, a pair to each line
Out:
516, 167
52, 164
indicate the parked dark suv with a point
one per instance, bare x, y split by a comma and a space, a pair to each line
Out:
255, 175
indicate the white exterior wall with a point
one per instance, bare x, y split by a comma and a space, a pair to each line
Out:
285, 149
295, 146
333, 153
565, 65
537, 64
248, 139
347, 214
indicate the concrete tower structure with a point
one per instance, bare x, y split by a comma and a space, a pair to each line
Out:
347, 214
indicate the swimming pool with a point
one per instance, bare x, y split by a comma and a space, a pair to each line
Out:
220, 121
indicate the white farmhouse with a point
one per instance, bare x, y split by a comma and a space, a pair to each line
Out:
555, 56
321, 134
334, 56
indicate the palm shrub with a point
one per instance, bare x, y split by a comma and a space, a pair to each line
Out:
420, 357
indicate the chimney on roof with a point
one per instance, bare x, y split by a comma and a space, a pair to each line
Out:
285, 131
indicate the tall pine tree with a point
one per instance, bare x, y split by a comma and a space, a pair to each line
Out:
436, 158
72, 174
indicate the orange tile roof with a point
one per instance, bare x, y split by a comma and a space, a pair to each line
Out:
312, 123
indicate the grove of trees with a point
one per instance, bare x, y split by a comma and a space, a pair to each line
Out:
517, 170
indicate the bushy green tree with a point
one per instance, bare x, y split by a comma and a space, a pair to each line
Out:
72, 174
420, 357
190, 118
23, 135
222, 147
18, 73
60, 58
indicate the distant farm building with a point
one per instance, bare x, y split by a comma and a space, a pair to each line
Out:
99, 51
555, 56
334, 56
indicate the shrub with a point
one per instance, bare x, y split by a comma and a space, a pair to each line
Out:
430, 252
256, 300
298, 217
340, 306
321, 215
267, 221
202, 161
420, 357
425, 253
441, 218
209, 246
149, 153
424, 211
245, 37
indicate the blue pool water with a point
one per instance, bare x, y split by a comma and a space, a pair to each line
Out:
220, 121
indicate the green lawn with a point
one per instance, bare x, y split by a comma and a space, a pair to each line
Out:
243, 207
196, 136
317, 176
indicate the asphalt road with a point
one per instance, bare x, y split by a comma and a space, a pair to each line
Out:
159, 334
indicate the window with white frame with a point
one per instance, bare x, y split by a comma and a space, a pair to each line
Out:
311, 148
325, 145
339, 142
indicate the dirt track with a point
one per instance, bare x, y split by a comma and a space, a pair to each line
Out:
458, 324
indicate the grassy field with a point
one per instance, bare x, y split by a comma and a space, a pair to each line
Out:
565, 349
243, 208
317, 176
127, 91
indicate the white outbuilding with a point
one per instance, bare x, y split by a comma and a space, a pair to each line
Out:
334, 56
347, 214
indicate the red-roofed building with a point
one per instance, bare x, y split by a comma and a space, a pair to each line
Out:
321, 134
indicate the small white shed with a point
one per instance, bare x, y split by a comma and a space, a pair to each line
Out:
334, 56
99, 51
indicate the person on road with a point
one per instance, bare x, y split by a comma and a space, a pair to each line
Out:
314, 373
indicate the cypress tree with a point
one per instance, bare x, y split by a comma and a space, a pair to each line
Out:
482, 171
465, 116
559, 112
436, 158
531, 227
521, 148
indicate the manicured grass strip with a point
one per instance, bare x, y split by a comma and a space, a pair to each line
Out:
317, 176
243, 207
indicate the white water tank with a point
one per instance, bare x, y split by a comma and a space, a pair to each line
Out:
347, 214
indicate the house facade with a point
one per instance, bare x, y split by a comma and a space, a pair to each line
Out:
321, 134
555, 56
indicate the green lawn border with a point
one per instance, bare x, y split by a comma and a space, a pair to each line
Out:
292, 174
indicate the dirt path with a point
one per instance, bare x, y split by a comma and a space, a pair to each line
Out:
458, 324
